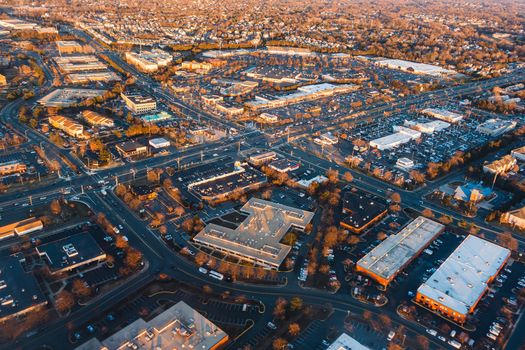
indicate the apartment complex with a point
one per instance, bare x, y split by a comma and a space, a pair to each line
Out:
94, 118
67, 125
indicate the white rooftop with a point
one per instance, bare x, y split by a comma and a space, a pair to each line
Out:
462, 278
386, 259
346, 342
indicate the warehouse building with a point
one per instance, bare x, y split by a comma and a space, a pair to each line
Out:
393, 254
179, 327
257, 238
460, 282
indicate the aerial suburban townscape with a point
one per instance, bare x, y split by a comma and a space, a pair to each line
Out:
262, 174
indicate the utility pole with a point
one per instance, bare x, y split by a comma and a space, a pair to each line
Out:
30, 200
202, 156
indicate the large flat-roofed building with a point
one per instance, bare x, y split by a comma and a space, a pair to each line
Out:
392, 255
69, 46
304, 93
12, 167
130, 149
443, 114
227, 182
459, 283
284, 165
149, 61
414, 67
19, 290
138, 103
68, 97
346, 342
361, 210
69, 64
390, 141
179, 327
94, 118
496, 127
71, 252
257, 238
16, 24
67, 125
88, 77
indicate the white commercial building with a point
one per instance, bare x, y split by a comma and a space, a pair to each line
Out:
427, 127
496, 127
346, 342
414, 67
159, 143
393, 254
459, 283
443, 114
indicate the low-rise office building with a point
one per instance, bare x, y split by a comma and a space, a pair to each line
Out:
457, 286
69, 64
361, 210
71, 252
179, 327
130, 149
257, 238
139, 103
393, 254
